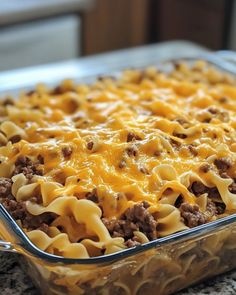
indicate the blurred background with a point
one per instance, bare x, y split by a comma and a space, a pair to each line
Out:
35, 32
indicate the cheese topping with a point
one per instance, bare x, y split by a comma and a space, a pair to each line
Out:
147, 137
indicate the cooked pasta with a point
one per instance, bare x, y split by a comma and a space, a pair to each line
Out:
89, 170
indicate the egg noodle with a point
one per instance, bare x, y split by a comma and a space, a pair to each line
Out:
122, 161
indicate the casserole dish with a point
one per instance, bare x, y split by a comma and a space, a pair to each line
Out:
166, 264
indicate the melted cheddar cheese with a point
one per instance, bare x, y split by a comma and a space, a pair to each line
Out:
145, 136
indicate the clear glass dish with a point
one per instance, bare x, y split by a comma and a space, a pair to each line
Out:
167, 264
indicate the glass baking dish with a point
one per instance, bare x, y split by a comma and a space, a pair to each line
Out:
164, 265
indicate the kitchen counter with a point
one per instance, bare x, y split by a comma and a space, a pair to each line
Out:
12, 279
16, 11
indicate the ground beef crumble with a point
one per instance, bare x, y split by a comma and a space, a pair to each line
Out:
136, 218
27, 167
92, 196
5, 187
198, 188
132, 137
18, 209
191, 215
67, 151
223, 164
132, 243
132, 151
232, 187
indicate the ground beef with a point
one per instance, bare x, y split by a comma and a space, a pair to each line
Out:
132, 136
44, 227
175, 143
132, 151
213, 193
144, 170
92, 196
193, 150
198, 188
136, 218
15, 138
179, 201
224, 175
232, 187
157, 153
205, 168
192, 215
132, 243
18, 209
90, 145
220, 208
58, 90
222, 164
67, 151
40, 159
223, 100
30, 222
213, 110
5, 187
182, 122
122, 164
8, 101
27, 167
180, 135
211, 209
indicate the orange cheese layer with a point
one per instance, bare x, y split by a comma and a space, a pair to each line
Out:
178, 122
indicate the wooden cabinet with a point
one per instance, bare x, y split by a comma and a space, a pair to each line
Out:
202, 21
115, 24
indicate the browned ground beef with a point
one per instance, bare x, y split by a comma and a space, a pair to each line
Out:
192, 215
5, 187
132, 151
223, 164
220, 208
18, 209
136, 218
232, 187
92, 196
27, 167
132, 243
214, 193
205, 168
198, 188
90, 145
19, 212
67, 151
211, 208
132, 136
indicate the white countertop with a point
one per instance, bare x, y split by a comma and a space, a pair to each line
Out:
13, 11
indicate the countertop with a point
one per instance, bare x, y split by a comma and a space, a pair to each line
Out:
15, 11
12, 279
